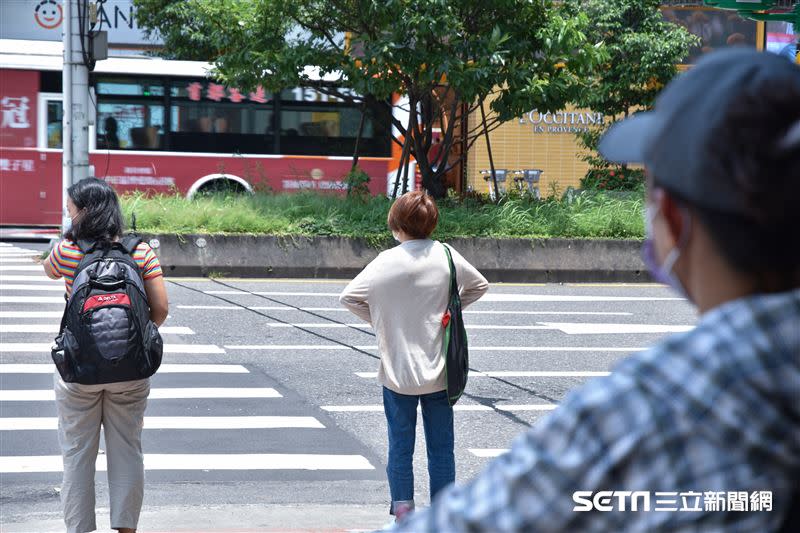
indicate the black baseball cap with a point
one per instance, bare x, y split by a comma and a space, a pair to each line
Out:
671, 141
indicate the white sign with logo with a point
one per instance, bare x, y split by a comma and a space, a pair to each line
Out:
42, 20
562, 121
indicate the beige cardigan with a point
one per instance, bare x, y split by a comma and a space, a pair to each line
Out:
403, 293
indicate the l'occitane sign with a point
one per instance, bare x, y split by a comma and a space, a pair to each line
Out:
562, 121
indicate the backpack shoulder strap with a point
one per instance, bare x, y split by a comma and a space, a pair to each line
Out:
130, 242
86, 246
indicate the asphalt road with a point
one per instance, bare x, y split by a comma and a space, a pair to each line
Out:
298, 422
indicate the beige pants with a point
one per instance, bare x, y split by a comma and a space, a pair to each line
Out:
82, 409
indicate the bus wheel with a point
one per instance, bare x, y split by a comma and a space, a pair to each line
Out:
219, 184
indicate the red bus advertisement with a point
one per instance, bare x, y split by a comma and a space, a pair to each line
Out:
166, 126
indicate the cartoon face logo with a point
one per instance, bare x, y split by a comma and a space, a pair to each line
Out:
48, 14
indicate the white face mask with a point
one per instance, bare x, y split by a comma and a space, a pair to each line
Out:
663, 273
70, 223
396, 236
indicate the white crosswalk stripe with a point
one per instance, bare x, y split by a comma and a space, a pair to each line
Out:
32, 300
17, 277
516, 374
45, 395
198, 461
180, 422
30, 314
168, 348
487, 452
25, 288
167, 368
55, 328
458, 407
7, 266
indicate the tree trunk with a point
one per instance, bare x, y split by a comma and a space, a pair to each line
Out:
489, 151
360, 133
402, 165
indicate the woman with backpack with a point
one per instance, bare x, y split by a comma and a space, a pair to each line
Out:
116, 406
403, 294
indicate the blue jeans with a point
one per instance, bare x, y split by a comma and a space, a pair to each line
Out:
401, 418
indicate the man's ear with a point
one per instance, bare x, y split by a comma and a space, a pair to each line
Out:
673, 216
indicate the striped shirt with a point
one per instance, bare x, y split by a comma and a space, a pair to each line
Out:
65, 257
707, 423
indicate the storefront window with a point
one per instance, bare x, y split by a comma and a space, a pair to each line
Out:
130, 126
716, 29
782, 39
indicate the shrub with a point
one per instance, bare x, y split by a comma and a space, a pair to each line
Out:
613, 179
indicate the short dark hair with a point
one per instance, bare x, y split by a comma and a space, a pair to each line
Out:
415, 214
762, 242
102, 219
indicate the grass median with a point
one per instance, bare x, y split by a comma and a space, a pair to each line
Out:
589, 215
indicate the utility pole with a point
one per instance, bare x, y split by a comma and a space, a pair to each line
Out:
75, 77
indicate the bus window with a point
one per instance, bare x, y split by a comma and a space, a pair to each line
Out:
55, 115
130, 126
331, 128
222, 127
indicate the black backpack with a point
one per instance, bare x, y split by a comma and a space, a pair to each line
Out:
106, 333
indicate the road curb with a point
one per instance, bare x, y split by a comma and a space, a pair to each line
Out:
500, 260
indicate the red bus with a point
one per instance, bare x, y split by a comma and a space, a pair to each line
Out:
166, 126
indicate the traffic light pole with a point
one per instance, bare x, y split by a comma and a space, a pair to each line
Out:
75, 77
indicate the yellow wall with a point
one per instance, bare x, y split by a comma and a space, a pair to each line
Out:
517, 146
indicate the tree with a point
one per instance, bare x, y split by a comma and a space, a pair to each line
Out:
440, 54
643, 53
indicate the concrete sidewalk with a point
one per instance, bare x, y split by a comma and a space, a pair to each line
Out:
232, 519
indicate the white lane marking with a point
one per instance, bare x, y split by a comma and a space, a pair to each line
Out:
288, 347
48, 368
168, 348
554, 349
486, 298
316, 325
22, 267
45, 395
487, 452
343, 310
273, 293
459, 407
181, 422
33, 299
526, 407
206, 462
12, 252
16, 277
217, 307
579, 328
599, 349
332, 325
22, 287
515, 374
583, 313
55, 328
30, 314
565, 298
4, 244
